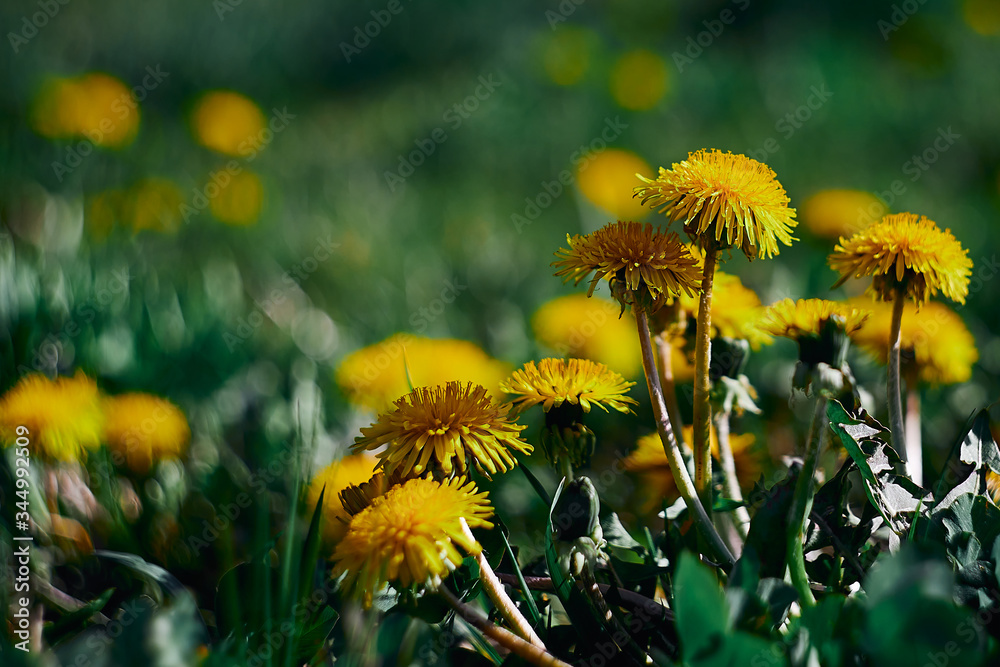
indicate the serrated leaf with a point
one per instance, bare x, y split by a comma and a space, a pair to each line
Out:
892, 495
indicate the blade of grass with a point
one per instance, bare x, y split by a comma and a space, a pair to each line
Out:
539, 489
532, 607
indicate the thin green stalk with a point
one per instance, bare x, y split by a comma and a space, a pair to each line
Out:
730, 484
673, 452
566, 467
666, 352
702, 385
894, 395
802, 503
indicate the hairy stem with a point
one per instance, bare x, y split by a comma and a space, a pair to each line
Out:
666, 352
536, 655
802, 503
674, 458
892, 385
731, 484
495, 591
914, 443
702, 385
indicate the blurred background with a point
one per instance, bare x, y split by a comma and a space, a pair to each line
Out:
219, 202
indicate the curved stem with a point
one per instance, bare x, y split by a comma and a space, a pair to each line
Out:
894, 395
702, 385
666, 352
914, 444
534, 654
802, 503
731, 484
673, 452
495, 590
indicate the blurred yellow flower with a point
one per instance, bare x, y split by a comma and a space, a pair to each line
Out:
336, 477
835, 213
725, 200
908, 252
63, 416
239, 201
639, 80
983, 16
95, 106
736, 310
228, 122
374, 376
154, 204
935, 345
607, 180
578, 326
444, 428
409, 536
582, 382
141, 429
649, 461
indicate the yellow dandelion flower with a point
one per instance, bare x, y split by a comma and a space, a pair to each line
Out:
141, 429
806, 317
607, 179
239, 200
634, 256
724, 200
448, 423
94, 106
582, 382
63, 416
153, 204
228, 122
649, 461
356, 497
935, 345
336, 478
836, 213
589, 328
639, 80
907, 252
374, 376
736, 309
409, 535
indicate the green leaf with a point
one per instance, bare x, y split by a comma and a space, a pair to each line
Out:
700, 608
310, 550
767, 538
892, 495
620, 543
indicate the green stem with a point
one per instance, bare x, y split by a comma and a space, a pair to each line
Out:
802, 503
496, 592
534, 654
666, 352
673, 452
894, 395
702, 385
566, 467
731, 484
